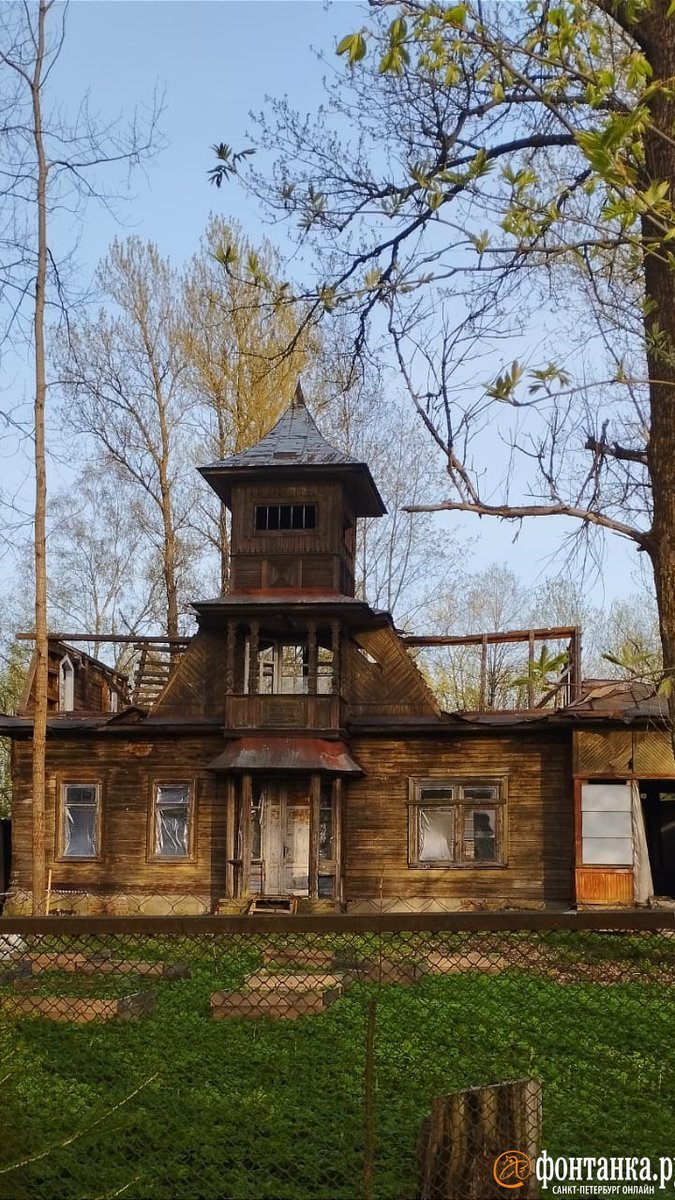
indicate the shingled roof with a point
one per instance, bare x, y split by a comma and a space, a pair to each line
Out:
295, 444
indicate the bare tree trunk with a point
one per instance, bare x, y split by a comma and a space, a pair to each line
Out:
40, 535
660, 341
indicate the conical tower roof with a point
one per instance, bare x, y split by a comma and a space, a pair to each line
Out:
295, 447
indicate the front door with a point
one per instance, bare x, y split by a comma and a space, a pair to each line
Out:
280, 837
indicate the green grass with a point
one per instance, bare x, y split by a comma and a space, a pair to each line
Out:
244, 1110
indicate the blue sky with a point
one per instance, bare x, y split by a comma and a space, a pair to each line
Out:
215, 62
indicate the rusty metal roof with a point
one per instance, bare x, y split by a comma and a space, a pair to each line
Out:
295, 443
273, 754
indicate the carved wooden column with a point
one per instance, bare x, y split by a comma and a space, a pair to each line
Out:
312, 659
245, 836
336, 631
230, 837
229, 656
253, 664
339, 837
314, 835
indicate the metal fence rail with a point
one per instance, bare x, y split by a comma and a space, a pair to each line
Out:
336, 1057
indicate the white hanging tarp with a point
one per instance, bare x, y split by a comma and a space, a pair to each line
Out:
642, 871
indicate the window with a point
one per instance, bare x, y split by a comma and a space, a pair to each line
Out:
172, 825
606, 824
284, 669
455, 823
286, 517
66, 685
80, 832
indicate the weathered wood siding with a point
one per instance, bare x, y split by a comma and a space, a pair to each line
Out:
92, 682
316, 558
539, 819
126, 771
392, 682
624, 753
197, 686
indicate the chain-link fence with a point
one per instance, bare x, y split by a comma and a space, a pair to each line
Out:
338, 1057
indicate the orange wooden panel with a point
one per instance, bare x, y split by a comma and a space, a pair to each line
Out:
596, 885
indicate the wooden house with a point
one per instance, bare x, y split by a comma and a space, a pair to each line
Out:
291, 753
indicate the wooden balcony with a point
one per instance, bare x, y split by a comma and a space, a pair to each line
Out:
284, 712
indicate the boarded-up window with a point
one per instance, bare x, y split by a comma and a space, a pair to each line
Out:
606, 825
450, 824
80, 820
172, 820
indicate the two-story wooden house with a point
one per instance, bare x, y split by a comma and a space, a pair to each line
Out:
291, 749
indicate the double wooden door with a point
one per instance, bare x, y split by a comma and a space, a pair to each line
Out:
280, 837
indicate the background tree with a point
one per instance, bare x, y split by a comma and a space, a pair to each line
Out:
237, 372
403, 561
504, 155
101, 576
48, 162
125, 384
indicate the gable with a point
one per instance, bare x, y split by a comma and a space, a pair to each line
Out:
392, 679
196, 687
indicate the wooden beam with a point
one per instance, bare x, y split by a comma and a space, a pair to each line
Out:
125, 638
477, 639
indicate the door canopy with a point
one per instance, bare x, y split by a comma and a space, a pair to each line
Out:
272, 754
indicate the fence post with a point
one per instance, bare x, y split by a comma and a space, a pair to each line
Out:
479, 1136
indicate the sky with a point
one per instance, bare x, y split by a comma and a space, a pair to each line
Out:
215, 62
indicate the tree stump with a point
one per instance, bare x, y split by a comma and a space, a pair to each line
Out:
479, 1137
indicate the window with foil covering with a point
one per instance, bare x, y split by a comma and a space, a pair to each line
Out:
456, 823
80, 820
172, 821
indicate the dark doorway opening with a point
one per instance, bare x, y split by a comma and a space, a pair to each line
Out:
658, 805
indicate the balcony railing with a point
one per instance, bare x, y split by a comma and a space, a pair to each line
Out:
283, 712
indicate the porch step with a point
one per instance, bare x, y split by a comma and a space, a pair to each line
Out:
273, 904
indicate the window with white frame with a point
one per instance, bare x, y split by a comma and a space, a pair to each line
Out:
66, 684
606, 825
172, 820
80, 833
456, 822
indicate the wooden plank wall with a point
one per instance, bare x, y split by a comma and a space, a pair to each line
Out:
126, 770
624, 753
301, 559
197, 686
539, 822
393, 679
90, 686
